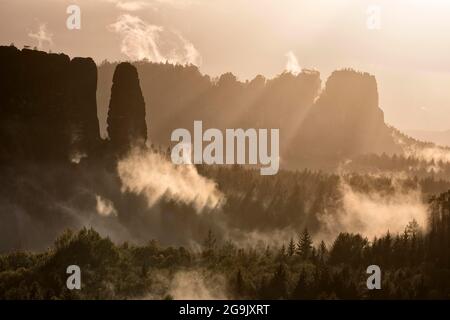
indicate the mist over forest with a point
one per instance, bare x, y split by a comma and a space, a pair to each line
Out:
87, 177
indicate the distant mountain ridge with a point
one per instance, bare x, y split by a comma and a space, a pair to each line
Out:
437, 137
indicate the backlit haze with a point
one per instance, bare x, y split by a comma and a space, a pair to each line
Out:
409, 53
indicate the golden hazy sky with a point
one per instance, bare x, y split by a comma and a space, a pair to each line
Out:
409, 53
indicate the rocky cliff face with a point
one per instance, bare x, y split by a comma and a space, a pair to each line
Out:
346, 119
48, 108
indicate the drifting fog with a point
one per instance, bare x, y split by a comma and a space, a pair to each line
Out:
105, 207
147, 197
371, 213
374, 213
154, 176
429, 154
191, 284
197, 285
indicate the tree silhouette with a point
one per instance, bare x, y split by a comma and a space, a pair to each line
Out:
304, 244
302, 288
291, 247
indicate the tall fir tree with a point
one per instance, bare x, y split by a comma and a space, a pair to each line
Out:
304, 244
291, 247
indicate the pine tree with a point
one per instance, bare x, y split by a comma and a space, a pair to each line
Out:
304, 244
283, 251
301, 290
322, 252
278, 286
412, 229
291, 247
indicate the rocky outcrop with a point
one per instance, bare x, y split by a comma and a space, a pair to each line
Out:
126, 115
346, 119
46, 101
82, 106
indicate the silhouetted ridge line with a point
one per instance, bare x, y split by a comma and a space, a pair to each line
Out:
49, 109
318, 126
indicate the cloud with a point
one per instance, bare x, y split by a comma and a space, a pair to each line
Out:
42, 36
141, 41
292, 65
151, 174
